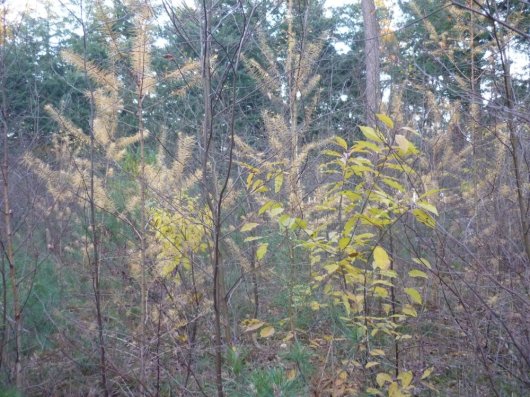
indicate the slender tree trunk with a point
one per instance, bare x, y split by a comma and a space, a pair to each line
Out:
95, 262
3, 325
292, 80
474, 112
371, 57
8, 247
393, 302
515, 146
9, 253
209, 186
214, 195
255, 285
141, 92
143, 218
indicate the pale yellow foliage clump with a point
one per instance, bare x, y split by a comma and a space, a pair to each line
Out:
104, 78
169, 179
286, 159
140, 54
70, 185
187, 75
70, 182
66, 125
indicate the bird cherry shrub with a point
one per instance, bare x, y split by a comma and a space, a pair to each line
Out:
344, 235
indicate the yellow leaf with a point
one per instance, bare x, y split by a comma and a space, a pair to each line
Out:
377, 352
427, 373
381, 259
331, 268
288, 337
276, 211
341, 142
409, 311
390, 274
344, 242
380, 291
422, 261
266, 206
286, 221
418, 273
291, 374
382, 377
250, 177
252, 238
167, 269
427, 207
331, 153
403, 143
257, 184
406, 378
302, 224
267, 332
393, 183
430, 386
355, 363
385, 120
251, 324
373, 391
249, 226
383, 282
414, 295
261, 251
371, 364
182, 338
393, 390
423, 217
370, 133
278, 182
